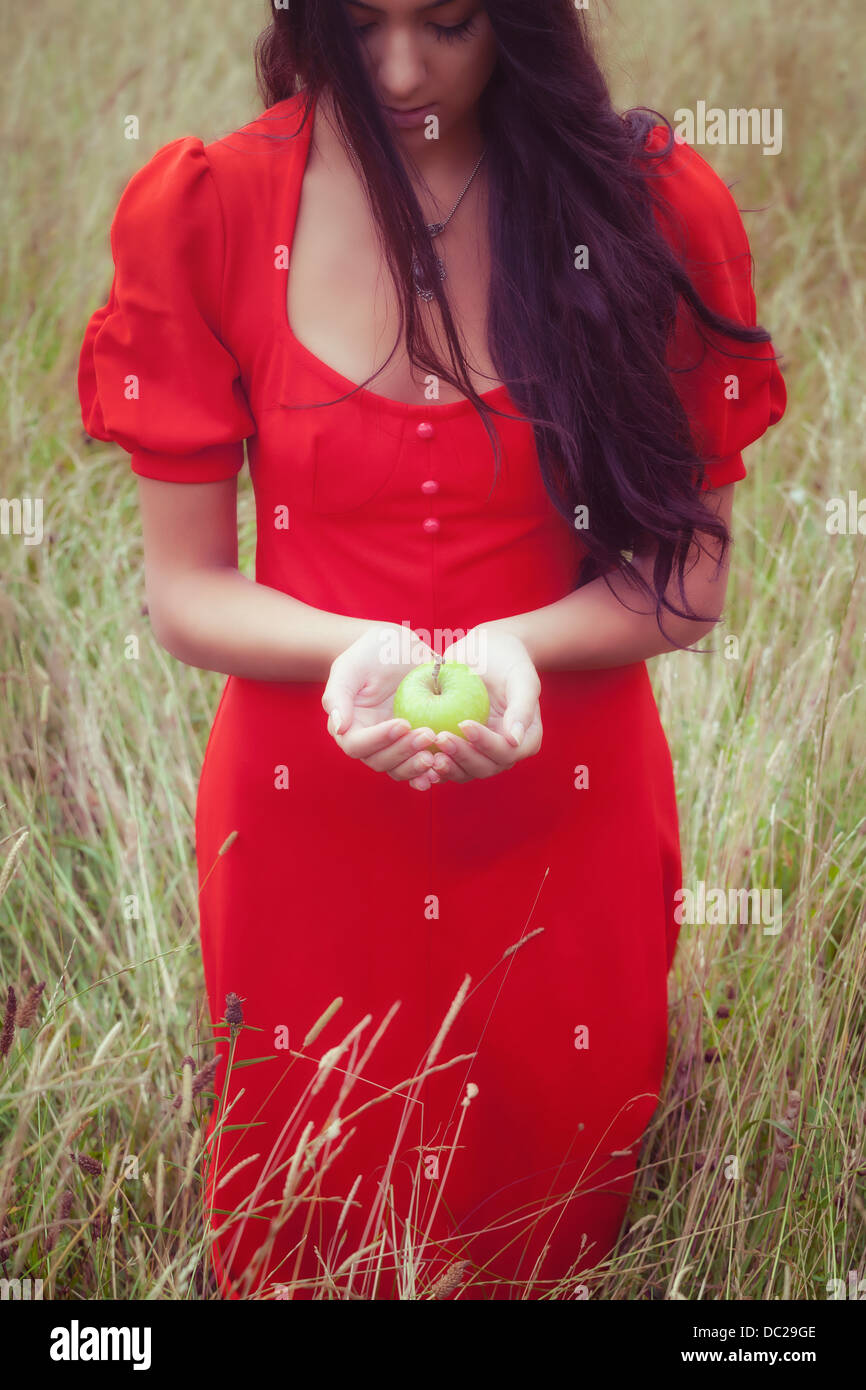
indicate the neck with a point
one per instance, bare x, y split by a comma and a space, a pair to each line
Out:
449, 159
434, 167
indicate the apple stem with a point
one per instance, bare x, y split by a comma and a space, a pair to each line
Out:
436, 666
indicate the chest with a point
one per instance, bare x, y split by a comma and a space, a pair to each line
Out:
342, 304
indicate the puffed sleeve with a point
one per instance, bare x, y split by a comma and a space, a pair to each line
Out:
154, 375
730, 401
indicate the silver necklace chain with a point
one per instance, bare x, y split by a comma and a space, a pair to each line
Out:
436, 229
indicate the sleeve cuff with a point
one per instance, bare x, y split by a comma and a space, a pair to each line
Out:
718, 472
210, 465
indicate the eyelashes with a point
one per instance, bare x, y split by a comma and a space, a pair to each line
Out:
446, 33
449, 32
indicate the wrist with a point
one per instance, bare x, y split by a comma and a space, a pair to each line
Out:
507, 627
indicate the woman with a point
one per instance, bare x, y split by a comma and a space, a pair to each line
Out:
465, 1119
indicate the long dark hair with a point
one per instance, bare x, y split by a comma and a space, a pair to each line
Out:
583, 355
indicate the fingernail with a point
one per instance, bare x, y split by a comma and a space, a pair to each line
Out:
517, 732
469, 731
335, 721
421, 740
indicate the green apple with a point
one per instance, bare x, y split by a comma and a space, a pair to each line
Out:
438, 694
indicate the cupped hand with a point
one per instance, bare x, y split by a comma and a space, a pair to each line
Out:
359, 701
513, 730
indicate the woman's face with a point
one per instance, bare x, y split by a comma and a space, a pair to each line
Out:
437, 56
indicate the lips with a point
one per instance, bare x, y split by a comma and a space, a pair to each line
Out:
407, 117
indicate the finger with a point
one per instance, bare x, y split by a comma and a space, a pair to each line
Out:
448, 769
443, 769
403, 749
423, 784
338, 704
413, 767
338, 701
364, 743
490, 754
479, 740
522, 689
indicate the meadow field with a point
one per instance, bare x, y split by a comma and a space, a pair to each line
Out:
753, 1177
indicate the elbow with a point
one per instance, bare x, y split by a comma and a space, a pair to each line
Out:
163, 624
686, 632
166, 636
713, 615
709, 601
696, 631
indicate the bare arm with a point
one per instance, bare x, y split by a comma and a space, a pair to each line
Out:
206, 613
590, 628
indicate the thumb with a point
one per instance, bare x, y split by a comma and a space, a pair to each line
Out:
522, 689
338, 702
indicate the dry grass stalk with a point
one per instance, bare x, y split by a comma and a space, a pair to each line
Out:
87, 1164
27, 1012
448, 1282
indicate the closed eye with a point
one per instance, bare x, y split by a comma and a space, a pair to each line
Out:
444, 32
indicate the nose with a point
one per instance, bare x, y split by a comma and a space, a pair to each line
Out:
400, 68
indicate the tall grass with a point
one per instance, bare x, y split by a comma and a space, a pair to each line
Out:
752, 1173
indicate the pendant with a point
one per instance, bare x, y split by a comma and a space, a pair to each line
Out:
421, 288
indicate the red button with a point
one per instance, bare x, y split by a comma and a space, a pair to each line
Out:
425, 430
430, 487
431, 525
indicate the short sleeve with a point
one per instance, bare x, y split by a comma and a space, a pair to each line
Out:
154, 375
732, 391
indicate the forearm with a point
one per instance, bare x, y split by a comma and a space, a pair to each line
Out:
591, 628
220, 620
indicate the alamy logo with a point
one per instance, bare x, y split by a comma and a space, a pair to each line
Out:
76, 1343
730, 906
22, 516
856, 1287
20, 1289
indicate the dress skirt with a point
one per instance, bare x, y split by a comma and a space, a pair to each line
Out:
536, 907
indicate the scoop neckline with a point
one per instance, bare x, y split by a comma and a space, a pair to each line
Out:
293, 193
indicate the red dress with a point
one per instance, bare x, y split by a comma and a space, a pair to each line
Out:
341, 882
